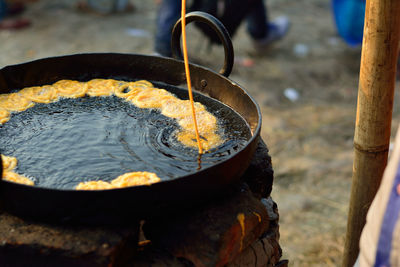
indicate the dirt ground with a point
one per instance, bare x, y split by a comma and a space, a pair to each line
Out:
310, 136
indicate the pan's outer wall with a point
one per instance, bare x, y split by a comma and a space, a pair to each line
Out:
132, 203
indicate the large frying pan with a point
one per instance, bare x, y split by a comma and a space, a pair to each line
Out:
127, 204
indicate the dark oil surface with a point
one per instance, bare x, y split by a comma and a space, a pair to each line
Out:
61, 144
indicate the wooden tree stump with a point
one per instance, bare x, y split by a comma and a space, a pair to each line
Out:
33, 244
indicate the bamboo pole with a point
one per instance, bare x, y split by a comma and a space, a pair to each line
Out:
374, 114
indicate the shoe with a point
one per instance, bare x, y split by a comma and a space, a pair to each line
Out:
277, 29
162, 54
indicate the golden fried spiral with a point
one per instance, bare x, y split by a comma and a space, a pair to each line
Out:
124, 180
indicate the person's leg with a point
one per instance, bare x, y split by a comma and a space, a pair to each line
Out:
121, 5
3, 9
262, 30
167, 16
257, 20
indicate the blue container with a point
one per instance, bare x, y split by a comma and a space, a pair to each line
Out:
349, 19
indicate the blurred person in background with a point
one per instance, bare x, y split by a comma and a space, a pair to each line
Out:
262, 31
104, 7
380, 238
8, 11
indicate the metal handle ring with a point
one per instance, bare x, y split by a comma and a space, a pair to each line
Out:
217, 26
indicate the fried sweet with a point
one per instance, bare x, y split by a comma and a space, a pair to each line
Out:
208, 141
15, 102
70, 89
135, 178
17, 178
180, 108
40, 94
101, 87
128, 89
151, 98
131, 89
124, 180
206, 122
9, 163
94, 185
4, 115
143, 84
